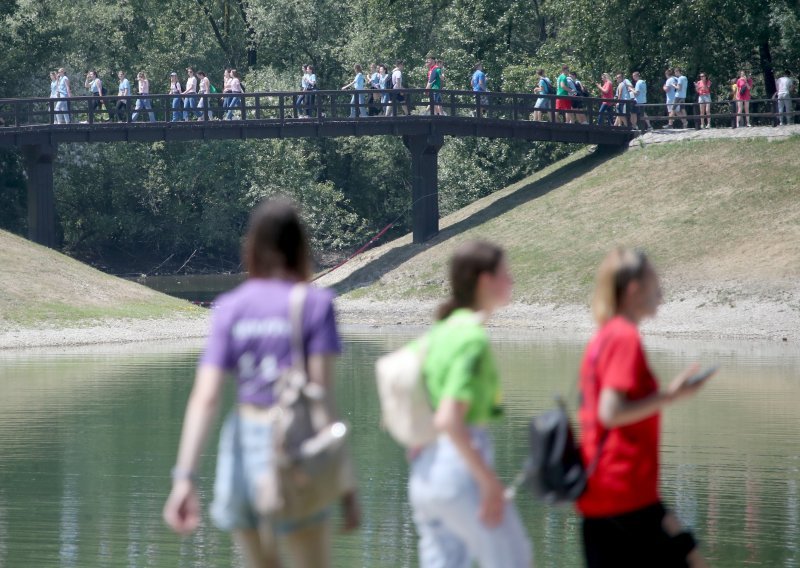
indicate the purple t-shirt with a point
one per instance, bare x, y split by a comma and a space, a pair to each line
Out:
251, 334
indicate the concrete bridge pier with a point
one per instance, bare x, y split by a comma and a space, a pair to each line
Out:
39, 160
424, 149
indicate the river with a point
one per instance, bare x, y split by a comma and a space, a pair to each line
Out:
88, 436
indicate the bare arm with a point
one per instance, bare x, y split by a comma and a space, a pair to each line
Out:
182, 509
615, 410
450, 420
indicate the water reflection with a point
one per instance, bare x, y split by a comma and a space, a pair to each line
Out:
87, 438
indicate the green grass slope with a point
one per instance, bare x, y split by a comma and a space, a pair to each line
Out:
39, 286
718, 217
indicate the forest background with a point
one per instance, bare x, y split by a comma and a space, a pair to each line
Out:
127, 207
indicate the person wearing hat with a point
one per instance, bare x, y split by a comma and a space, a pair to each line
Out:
175, 90
434, 83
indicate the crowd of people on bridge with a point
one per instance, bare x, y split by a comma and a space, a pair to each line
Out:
275, 332
624, 102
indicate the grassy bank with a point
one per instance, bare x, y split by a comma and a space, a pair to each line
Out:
720, 218
39, 286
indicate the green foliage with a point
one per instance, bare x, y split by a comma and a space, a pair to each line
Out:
132, 202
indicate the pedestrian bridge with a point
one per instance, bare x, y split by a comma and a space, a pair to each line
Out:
36, 126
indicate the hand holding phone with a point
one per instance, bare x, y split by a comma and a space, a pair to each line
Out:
701, 376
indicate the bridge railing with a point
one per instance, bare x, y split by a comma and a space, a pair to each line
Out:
316, 105
724, 113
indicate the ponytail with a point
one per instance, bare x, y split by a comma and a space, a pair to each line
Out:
619, 268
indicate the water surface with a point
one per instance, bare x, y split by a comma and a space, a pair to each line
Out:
87, 438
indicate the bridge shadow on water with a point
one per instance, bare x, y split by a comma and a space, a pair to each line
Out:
373, 271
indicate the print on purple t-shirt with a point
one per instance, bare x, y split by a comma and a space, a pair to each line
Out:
251, 335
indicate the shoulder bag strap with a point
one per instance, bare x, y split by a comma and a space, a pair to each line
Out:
297, 300
593, 361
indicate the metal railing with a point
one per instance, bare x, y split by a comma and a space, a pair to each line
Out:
310, 105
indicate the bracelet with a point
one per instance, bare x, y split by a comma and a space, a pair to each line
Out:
180, 474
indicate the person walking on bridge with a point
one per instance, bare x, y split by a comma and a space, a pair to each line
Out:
397, 84
606, 110
624, 522
236, 99
53, 94
638, 112
542, 104
123, 93
681, 93
478, 83
784, 87
190, 101
143, 104
563, 90
175, 90
95, 86
358, 83
63, 91
204, 89
434, 85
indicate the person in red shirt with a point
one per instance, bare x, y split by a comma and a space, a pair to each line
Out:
624, 522
744, 86
606, 92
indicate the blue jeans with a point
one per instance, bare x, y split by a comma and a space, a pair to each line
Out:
446, 499
362, 109
233, 104
143, 104
244, 460
604, 114
189, 103
176, 109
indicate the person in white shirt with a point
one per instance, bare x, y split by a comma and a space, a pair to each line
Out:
397, 83
63, 91
624, 88
784, 87
175, 89
122, 94
204, 90
189, 102
311, 86
144, 89
236, 100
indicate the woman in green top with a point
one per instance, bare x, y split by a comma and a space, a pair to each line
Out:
460, 510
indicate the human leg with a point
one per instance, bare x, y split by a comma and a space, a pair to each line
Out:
148, 105
746, 105
258, 548
136, 108
310, 547
176, 109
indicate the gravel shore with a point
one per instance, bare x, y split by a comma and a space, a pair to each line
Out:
693, 317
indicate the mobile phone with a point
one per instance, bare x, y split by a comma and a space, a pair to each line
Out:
702, 375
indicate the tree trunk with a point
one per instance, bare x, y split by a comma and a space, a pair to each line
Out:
766, 67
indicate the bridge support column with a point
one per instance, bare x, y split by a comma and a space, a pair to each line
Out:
41, 201
424, 151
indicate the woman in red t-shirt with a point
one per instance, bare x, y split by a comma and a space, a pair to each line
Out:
624, 522
744, 85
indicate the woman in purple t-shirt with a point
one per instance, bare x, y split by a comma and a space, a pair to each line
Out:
250, 339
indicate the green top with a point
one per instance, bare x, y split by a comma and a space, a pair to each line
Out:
562, 80
436, 78
459, 365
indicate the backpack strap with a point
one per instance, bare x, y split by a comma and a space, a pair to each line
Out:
297, 300
593, 358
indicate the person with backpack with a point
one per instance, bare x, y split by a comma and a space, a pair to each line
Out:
563, 90
123, 92
144, 89
577, 86
258, 336
397, 84
624, 521
434, 84
542, 104
459, 507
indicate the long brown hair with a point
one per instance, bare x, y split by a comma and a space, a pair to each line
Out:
466, 265
619, 268
276, 239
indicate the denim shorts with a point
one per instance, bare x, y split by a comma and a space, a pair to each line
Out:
445, 499
704, 99
246, 454
542, 104
678, 104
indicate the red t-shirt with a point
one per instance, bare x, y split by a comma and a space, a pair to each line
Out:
607, 91
626, 477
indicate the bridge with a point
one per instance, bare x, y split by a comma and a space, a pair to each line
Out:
36, 126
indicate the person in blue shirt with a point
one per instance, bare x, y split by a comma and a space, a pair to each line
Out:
670, 89
358, 83
479, 86
640, 97
543, 87
680, 96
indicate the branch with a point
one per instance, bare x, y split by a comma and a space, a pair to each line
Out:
221, 41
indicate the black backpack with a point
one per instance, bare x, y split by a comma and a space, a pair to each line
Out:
554, 470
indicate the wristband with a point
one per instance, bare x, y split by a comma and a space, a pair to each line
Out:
181, 474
